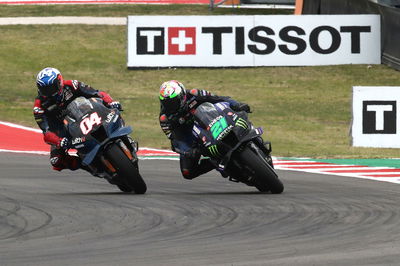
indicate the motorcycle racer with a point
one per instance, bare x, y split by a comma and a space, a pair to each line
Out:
176, 121
54, 94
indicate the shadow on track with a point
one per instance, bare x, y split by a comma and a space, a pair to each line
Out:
159, 193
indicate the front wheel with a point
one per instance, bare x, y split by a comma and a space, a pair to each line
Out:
128, 174
264, 177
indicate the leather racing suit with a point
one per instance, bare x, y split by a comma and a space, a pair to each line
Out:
48, 115
178, 128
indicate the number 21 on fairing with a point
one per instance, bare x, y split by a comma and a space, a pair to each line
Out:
88, 123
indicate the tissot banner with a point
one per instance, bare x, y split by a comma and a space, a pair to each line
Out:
231, 41
376, 117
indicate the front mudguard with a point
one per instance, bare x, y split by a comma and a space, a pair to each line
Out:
120, 132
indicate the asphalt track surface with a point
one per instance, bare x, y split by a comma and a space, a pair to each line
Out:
72, 218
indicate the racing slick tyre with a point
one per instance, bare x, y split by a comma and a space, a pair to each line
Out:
124, 188
128, 175
265, 178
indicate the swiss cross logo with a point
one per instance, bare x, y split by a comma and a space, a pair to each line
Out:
181, 40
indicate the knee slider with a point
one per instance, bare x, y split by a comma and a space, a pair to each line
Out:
187, 174
56, 161
62, 162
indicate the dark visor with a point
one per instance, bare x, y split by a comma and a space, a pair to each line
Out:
50, 90
171, 105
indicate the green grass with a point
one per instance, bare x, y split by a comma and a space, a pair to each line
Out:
126, 10
306, 111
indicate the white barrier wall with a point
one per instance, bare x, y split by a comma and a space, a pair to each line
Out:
376, 117
232, 41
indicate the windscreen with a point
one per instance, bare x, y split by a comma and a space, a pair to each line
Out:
79, 107
206, 113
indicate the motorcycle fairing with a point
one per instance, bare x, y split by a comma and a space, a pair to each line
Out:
100, 125
207, 116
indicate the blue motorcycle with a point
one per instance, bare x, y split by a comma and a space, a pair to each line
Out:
102, 142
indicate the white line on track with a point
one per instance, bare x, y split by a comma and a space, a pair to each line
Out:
63, 20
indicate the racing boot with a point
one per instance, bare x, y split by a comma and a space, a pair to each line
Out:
223, 173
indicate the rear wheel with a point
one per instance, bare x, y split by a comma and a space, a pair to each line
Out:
128, 178
264, 177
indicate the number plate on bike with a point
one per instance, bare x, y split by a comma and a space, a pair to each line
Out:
219, 128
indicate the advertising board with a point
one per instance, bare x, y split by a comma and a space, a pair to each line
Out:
243, 41
376, 117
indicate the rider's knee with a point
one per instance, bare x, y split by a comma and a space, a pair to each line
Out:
65, 162
56, 162
187, 174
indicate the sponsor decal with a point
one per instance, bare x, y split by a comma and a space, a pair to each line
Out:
67, 94
196, 130
110, 116
75, 84
215, 120
225, 132
78, 140
192, 104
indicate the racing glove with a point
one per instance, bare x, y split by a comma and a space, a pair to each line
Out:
115, 105
53, 139
38, 112
242, 107
165, 125
65, 143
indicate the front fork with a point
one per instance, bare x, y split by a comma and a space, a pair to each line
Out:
260, 147
130, 148
266, 148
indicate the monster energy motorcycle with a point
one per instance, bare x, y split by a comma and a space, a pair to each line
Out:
235, 146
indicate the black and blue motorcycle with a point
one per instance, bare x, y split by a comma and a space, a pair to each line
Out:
235, 146
102, 142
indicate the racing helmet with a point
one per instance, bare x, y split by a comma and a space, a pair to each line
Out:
173, 96
50, 82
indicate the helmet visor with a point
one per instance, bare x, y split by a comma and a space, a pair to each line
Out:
50, 90
171, 105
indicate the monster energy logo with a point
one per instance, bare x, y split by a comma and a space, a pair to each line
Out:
241, 123
214, 151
